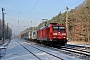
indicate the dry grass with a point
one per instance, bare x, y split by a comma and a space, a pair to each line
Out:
78, 42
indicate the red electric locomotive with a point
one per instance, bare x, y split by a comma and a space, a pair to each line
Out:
53, 34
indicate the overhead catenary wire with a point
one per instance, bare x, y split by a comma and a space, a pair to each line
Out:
54, 4
66, 6
32, 9
75, 3
72, 5
52, 7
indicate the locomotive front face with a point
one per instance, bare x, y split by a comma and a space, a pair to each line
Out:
59, 32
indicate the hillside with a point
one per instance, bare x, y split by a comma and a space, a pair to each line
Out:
78, 22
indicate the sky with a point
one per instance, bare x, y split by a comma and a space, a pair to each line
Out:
22, 14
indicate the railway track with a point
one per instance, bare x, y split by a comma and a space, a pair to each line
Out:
48, 53
30, 51
77, 49
81, 52
73, 48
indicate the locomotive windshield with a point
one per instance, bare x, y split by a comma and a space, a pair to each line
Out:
59, 28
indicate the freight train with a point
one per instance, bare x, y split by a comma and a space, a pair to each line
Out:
52, 34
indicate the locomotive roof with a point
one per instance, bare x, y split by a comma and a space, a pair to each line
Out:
44, 27
53, 24
57, 24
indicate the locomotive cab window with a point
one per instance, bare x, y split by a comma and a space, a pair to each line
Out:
59, 28
55, 27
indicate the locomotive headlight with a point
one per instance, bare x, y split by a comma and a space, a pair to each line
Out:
64, 37
54, 37
54, 33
